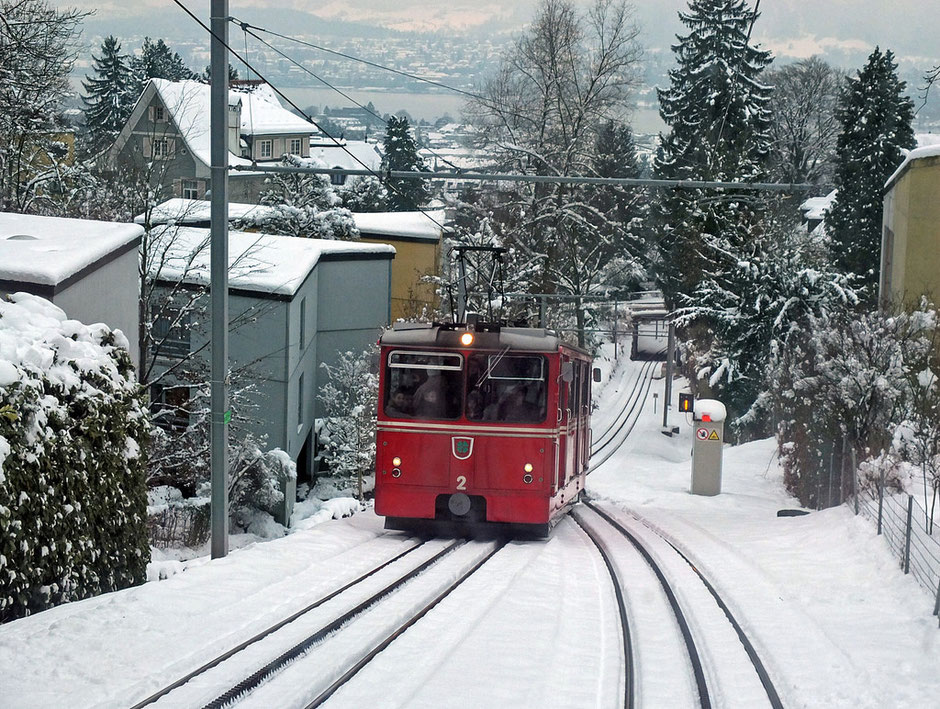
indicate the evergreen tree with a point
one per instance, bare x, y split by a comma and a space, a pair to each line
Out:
719, 129
401, 154
109, 94
875, 116
158, 61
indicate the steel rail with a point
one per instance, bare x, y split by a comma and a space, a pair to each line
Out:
636, 418
629, 686
272, 629
629, 403
697, 669
398, 632
251, 682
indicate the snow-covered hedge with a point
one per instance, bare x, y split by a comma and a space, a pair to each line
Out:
72, 427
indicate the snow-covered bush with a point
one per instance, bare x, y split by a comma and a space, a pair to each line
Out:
350, 400
843, 386
72, 433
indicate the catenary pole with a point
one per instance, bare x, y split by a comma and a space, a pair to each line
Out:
218, 288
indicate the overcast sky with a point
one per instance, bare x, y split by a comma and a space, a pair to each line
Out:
791, 27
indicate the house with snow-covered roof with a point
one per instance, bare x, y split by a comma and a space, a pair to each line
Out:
166, 136
87, 268
910, 235
416, 237
294, 304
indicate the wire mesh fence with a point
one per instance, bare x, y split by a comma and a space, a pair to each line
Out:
910, 533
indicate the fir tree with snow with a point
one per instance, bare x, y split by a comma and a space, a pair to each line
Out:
366, 194
875, 115
110, 94
716, 109
157, 61
401, 155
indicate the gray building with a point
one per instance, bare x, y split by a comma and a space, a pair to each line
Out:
88, 268
294, 304
166, 137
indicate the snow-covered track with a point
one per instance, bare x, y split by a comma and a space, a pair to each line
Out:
629, 684
294, 635
696, 619
627, 418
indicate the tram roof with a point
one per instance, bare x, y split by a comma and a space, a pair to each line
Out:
517, 339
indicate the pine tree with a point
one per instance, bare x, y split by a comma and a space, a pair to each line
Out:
109, 94
719, 129
875, 116
158, 61
401, 154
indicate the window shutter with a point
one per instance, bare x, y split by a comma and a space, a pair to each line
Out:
150, 113
148, 147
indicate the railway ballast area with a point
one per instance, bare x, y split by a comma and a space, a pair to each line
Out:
644, 596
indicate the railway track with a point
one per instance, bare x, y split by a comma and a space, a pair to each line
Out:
704, 626
423, 574
626, 419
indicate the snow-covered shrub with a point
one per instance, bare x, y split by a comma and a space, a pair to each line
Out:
72, 433
849, 378
350, 400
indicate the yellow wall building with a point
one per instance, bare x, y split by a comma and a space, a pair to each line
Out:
416, 237
910, 242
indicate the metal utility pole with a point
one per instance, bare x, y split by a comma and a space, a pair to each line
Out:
218, 287
670, 359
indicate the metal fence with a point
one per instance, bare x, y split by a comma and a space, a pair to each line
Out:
905, 526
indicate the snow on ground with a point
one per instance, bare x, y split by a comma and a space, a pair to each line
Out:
835, 621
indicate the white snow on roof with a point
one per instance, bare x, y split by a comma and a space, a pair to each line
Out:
261, 114
410, 224
257, 262
48, 250
928, 151
190, 211
391, 224
351, 156
816, 207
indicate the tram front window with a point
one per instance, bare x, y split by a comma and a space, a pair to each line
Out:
423, 385
509, 388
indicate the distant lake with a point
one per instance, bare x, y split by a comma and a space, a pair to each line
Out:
426, 106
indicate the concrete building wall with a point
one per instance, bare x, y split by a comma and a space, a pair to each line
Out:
414, 259
109, 295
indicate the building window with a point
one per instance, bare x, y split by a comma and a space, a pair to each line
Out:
171, 334
190, 189
295, 146
303, 323
159, 114
265, 148
160, 148
300, 402
169, 404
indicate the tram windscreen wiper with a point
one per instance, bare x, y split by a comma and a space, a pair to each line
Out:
492, 362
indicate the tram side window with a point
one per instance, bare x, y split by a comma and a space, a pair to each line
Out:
423, 385
510, 388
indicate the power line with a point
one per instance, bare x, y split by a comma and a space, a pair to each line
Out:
357, 59
560, 179
330, 86
255, 166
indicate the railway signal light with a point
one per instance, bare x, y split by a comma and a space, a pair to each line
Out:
686, 403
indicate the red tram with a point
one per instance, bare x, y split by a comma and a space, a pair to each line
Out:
484, 425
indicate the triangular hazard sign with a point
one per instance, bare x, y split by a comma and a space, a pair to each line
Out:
713, 436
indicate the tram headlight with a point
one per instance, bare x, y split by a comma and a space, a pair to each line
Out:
396, 461
466, 339
528, 467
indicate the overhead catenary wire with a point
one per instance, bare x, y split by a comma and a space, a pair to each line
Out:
244, 60
326, 83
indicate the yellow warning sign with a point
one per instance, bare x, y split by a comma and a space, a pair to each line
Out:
713, 436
